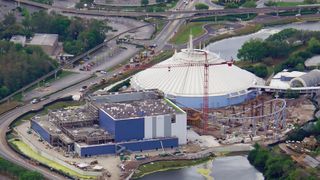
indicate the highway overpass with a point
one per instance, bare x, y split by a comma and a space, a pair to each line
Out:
198, 13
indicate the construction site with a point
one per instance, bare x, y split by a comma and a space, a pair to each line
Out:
101, 126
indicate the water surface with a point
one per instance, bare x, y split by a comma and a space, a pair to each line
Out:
221, 168
228, 48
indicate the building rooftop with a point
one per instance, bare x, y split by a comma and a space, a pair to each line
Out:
126, 96
48, 125
44, 39
309, 79
283, 78
135, 109
134, 104
94, 131
18, 39
73, 115
184, 78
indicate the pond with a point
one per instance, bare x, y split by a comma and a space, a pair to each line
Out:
228, 48
221, 168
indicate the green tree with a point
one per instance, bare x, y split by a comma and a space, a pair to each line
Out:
270, 3
31, 175
9, 19
314, 45
278, 167
20, 66
260, 70
231, 5
283, 35
310, 1
4, 91
249, 4
253, 50
144, 2
200, 6
277, 49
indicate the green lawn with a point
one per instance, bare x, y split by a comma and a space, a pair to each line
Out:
25, 149
286, 4
182, 36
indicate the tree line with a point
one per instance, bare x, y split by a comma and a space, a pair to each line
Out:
18, 172
78, 35
21, 65
298, 134
288, 49
237, 3
276, 166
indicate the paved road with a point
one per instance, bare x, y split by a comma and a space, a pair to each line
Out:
187, 11
7, 118
172, 26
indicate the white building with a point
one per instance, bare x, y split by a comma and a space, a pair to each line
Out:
184, 84
283, 78
48, 42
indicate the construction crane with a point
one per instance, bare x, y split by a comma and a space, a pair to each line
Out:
206, 65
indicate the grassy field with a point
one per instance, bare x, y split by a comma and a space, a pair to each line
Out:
182, 36
160, 23
166, 165
25, 149
287, 4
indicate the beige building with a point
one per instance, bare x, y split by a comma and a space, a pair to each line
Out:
48, 42
18, 39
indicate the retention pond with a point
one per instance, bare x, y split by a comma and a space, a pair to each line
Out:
221, 168
228, 48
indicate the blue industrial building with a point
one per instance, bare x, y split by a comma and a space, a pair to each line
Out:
113, 123
45, 135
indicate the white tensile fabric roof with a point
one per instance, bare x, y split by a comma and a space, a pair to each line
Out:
189, 81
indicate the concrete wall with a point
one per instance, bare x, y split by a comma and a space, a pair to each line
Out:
163, 126
179, 128
41, 131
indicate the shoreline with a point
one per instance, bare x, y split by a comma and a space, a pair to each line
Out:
253, 27
188, 163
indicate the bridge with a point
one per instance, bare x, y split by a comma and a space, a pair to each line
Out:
198, 13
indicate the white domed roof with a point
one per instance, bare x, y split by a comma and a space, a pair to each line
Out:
189, 81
